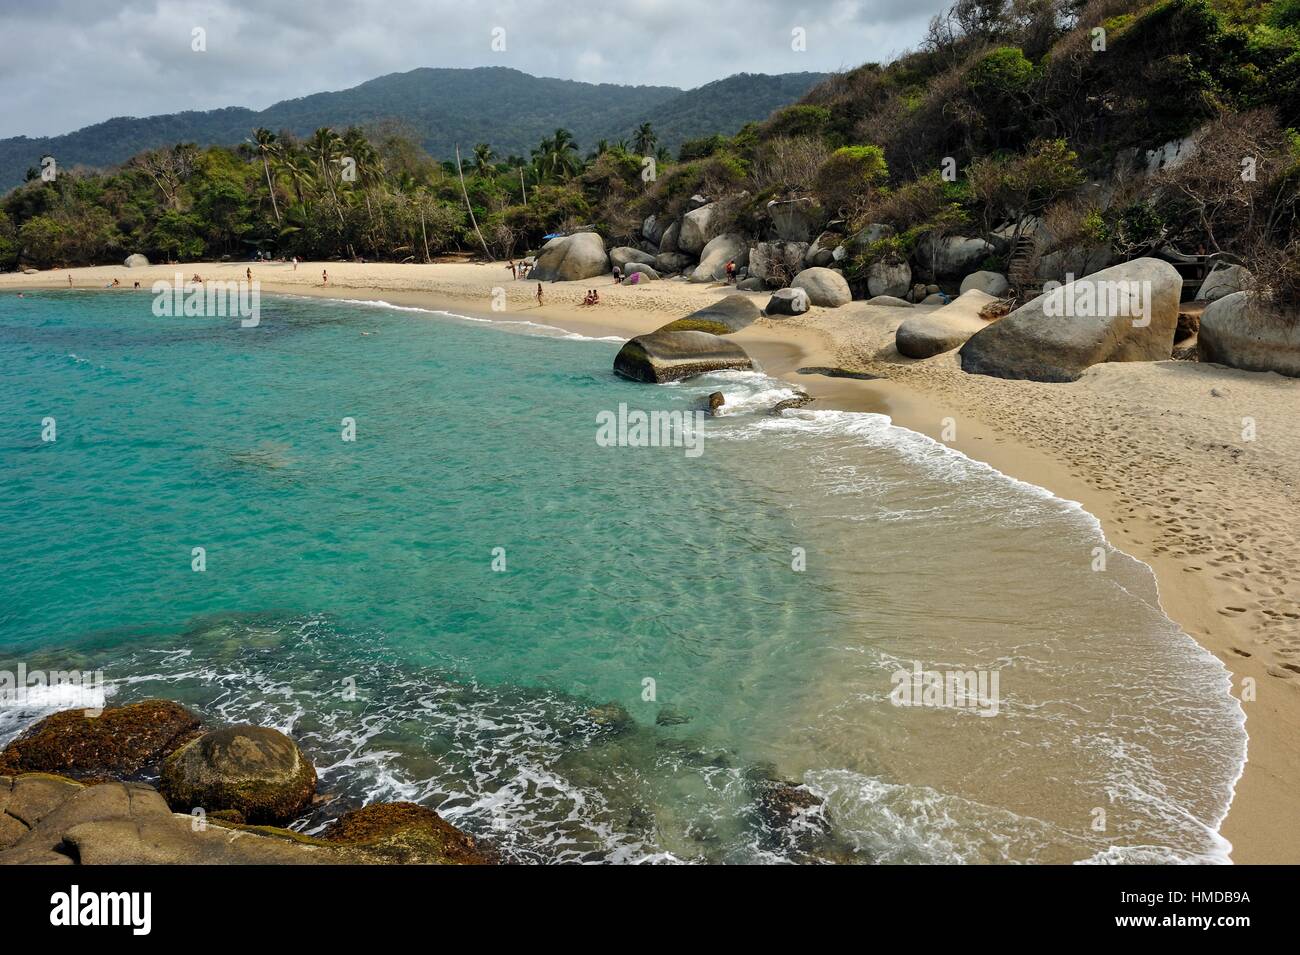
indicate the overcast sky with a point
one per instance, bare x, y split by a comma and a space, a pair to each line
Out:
65, 64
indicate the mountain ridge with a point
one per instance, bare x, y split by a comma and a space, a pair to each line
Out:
508, 108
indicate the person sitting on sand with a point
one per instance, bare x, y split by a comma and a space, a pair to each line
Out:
196, 279
137, 284
595, 297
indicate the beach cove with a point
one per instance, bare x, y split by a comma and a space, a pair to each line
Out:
1095, 442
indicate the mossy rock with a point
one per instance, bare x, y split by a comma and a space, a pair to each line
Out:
122, 743
402, 832
255, 771
697, 325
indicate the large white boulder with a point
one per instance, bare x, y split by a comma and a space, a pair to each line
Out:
825, 287
570, 258
990, 283
728, 247
1224, 281
696, 230
1127, 312
1242, 333
623, 254
136, 261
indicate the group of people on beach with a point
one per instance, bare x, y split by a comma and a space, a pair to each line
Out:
520, 270
592, 297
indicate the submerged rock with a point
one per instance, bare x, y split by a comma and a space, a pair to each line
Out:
124, 742
255, 770
405, 833
1048, 339
716, 401
672, 355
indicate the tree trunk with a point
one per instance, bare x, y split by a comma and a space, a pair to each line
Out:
470, 209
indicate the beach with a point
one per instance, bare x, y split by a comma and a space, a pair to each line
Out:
1156, 451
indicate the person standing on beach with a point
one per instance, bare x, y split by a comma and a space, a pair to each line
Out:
69, 280
514, 273
324, 277
618, 275
539, 293
248, 273
731, 272
295, 263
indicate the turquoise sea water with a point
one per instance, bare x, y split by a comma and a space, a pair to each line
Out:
648, 662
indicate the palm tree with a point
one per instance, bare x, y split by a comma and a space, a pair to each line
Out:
268, 146
557, 155
326, 148
483, 157
644, 139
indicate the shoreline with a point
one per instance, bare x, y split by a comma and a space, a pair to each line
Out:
1074, 449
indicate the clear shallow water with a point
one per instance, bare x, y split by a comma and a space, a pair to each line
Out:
513, 702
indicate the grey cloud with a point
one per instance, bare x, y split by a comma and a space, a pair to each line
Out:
69, 63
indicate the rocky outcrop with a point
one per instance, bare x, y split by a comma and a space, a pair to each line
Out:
571, 258
1241, 333
696, 230
1223, 281
990, 283
136, 261
776, 263
792, 219
622, 255
946, 328
729, 247
889, 301
49, 820
825, 287
1128, 312
125, 742
257, 771
672, 355
889, 278
787, 301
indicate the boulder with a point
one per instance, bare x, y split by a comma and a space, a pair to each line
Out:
776, 263
698, 201
406, 834
751, 284
1128, 312
621, 255
1241, 333
664, 356
1222, 281
571, 258
668, 243
30, 272
822, 251
733, 311
825, 287
952, 257
639, 267
934, 298
696, 230
889, 301
990, 283
929, 333
136, 261
253, 769
124, 742
787, 301
792, 219
888, 278
728, 247
652, 230
671, 262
